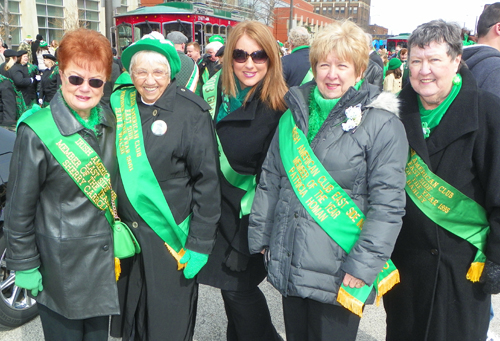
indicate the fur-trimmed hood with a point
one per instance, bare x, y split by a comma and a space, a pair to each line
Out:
386, 101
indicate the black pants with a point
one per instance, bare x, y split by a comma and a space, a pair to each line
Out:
248, 317
310, 320
156, 301
58, 328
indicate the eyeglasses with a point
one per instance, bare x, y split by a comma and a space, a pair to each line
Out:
492, 24
93, 82
258, 57
143, 74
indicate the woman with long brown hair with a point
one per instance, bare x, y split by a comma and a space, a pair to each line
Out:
247, 100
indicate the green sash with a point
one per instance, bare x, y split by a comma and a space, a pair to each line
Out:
244, 182
329, 205
449, 208
139, 180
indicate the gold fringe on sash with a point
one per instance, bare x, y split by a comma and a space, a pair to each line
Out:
118, 268
475, 271
177, 256
387, 284
350, 302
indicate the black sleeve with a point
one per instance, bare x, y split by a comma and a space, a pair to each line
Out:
8, 98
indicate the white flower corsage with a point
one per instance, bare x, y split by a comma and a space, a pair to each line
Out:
353, 115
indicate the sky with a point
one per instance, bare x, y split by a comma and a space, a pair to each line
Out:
403, 16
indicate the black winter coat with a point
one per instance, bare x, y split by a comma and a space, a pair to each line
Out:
50, 223
49, 85
8, 108
245, 135
24, 81
295, 67
434, 300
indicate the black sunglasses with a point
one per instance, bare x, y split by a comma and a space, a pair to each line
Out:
258, 57
492, 24
93, 82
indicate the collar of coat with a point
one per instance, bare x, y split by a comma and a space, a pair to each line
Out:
460, 118
368, 95
66, 122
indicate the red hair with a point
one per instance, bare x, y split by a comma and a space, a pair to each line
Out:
86, 48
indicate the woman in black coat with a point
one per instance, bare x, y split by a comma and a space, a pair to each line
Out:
246, 116
435, 300
49, 80
25, 78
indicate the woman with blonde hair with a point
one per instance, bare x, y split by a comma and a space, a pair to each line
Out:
330, 199
247, 101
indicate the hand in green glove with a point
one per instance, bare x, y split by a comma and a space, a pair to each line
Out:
195, 261
30, 280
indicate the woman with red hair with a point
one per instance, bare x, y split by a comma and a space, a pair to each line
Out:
59, 209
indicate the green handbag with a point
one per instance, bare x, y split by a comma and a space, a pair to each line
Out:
124, 242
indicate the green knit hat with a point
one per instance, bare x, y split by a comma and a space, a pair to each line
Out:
394, 63
43, 44
152, 43
216, 37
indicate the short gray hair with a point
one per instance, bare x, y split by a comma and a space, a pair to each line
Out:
150, 57
215, 46
438, 31
299, 36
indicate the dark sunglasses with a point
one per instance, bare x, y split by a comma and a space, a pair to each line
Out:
93, 82
258, 57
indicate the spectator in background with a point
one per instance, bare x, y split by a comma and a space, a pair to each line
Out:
393, 81
194, 51
296, 65
50, 78
189, 73
34, 48
209, 64
484, 59
374, 73
26, 46
2, 50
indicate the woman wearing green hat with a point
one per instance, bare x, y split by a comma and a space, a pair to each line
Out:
393, 77
168, 192
42, 49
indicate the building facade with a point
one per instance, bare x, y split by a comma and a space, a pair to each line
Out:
51, 18
357, 11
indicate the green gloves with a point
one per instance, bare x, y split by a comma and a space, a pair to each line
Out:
195, 261
30, 280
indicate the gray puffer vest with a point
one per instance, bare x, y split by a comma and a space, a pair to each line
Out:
368, 163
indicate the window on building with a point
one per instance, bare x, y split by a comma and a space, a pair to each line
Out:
51, 21
316, 10
355, 10
342, 10
88, 14
329, 11
123, 8
14, 21
337, 10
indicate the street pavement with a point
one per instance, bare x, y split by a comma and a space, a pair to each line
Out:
211, 320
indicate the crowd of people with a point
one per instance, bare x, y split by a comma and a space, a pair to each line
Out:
340, 173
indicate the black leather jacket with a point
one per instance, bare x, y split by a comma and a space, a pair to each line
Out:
50, 223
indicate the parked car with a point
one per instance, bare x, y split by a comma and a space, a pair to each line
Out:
16, 307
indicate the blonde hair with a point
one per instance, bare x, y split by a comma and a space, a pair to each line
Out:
10, 63
273, 85
347, 40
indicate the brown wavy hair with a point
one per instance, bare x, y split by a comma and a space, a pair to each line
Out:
273, 85
86, 48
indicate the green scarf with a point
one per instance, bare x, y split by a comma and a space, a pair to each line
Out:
20, 105
92, 121
319, 108
230, 103
431, 118
300, 48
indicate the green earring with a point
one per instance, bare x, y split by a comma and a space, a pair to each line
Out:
457, 80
